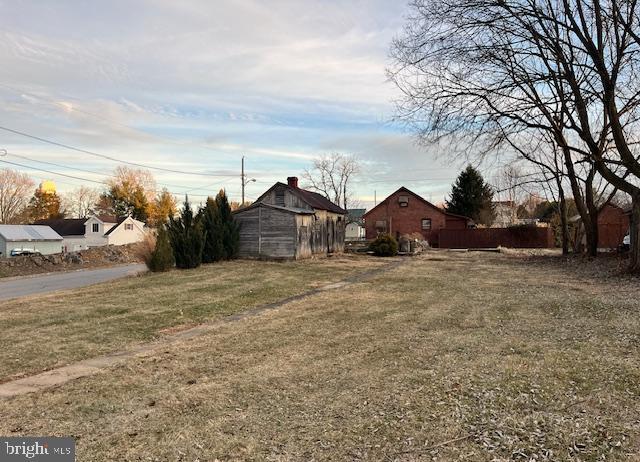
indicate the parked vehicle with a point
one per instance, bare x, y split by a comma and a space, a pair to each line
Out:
21, 252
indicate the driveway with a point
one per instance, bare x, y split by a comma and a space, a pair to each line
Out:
32, 285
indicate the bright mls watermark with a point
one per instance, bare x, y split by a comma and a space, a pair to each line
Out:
37, 449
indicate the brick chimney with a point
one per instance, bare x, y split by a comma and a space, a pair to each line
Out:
292, 181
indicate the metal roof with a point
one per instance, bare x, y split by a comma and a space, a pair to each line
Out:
28, 233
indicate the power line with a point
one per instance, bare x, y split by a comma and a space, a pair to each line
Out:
113, 159
189, 188
84, 179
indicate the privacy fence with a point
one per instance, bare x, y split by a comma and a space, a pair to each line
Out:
520, 237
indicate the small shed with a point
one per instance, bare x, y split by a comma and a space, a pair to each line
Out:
37, 238
287, 222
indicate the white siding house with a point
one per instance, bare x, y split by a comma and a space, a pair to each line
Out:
96, 231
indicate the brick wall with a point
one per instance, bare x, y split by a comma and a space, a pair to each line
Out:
522, 237
401, 220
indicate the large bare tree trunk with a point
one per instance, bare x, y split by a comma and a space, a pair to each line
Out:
634, 235
564, 219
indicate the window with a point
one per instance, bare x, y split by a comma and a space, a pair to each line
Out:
280, 197
95, 227
426, 223
403, 201
381, 226
128, 226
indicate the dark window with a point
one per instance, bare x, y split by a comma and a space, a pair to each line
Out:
381, 226
280, 197
426, 223
128, 226
404, 201
95, 227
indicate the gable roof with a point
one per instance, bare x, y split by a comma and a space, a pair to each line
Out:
104, 218
65, 226
28, 233
420, 198
313, 199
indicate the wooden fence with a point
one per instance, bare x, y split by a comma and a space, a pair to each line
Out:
519, 237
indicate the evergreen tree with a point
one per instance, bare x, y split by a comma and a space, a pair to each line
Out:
230, 231
472, 197
162, 258
210, 218
45, 205
187, 238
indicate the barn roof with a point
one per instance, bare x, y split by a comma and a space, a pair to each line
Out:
313, 199
65, 226
276, 207
28, 233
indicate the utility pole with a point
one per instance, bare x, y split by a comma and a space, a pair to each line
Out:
375, 199
244, 180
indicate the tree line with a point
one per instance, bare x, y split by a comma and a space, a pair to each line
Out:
552, 85
127, 192
189, 239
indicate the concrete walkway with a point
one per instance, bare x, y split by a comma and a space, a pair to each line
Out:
92, 366
42, 284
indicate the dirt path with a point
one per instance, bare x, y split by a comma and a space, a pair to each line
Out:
93, 366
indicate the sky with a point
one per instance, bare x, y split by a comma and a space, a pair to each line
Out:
189, 87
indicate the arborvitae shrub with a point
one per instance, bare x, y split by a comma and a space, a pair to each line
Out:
385, 245
161, 258
187, 238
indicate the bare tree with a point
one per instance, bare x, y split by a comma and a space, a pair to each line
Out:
496, 73
15, 190
331, 176
80, 202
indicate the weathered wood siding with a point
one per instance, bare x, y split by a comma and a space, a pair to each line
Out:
266, 232
319, 234
283, 197
249, 232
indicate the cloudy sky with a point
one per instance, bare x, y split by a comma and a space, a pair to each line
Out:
192, 86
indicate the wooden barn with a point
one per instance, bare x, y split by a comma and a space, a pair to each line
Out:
287, 222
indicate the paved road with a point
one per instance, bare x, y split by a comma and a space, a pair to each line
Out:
31, 285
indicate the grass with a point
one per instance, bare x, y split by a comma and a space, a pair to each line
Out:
471, 357
42, 332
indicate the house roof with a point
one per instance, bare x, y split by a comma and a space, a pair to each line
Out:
65, 226
28, 233
313, 199
107, 218
118, 223
356, 214
423, 200
276, 207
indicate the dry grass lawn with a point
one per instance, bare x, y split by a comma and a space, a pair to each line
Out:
43, 332
475, 357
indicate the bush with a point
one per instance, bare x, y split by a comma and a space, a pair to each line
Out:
187, 238
161, 259
385, 245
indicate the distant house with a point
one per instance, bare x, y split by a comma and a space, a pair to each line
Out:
505, 214
405, 212
96, 231
613, 225
355, 224
289, 222
40, 239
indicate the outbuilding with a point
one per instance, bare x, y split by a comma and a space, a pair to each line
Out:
36, 238
287, 222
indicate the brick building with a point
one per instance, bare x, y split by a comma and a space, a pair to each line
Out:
405, 212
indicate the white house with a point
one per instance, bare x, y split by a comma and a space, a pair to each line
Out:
96, 231
355, 224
